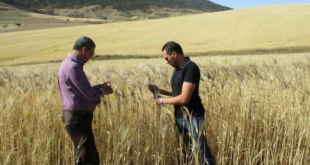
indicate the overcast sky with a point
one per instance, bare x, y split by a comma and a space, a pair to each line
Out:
239, 4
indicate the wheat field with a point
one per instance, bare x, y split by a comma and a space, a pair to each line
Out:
257, 112
262, 28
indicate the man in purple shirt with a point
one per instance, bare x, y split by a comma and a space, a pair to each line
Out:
79, 100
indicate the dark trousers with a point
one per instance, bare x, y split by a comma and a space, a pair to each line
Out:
78, 124
192, 140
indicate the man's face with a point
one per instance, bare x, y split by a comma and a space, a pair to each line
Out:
88, 53
169, 58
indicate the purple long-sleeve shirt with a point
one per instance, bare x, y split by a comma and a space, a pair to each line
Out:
75, 90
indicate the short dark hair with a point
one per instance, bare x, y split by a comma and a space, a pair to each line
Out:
172, 46
84, 42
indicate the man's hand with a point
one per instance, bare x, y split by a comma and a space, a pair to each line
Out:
107, 83
104, 84
106, 88
153, 88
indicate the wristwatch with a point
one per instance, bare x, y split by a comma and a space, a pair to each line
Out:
161, 101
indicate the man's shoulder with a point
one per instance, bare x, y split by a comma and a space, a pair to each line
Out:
68, 65
191, 65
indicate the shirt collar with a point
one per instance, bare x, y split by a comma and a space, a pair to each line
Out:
76, 59
186, 61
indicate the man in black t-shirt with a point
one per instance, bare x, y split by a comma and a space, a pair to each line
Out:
189, 111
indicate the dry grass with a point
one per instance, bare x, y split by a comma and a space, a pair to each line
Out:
276, 27
257, 112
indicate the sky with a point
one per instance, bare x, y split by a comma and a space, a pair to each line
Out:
239, 4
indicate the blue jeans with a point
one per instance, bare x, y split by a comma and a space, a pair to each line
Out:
192, 139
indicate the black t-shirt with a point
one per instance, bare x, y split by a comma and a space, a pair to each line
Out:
188, 73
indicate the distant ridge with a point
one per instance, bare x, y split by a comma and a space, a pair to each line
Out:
99, 11
202, 5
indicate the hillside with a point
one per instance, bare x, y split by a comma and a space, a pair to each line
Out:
118, 4
18, 15
117, 10
13, 19
264, 29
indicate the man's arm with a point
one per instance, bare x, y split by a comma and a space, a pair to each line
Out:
154, 89
166, 92
183, 98
82, 87
191, 78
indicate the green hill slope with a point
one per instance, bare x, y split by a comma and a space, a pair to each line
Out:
265, 28
40, 14
119, 4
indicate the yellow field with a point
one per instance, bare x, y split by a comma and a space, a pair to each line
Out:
264, 28
257, 112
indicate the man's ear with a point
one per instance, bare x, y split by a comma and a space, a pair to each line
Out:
174, 54
84, 49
